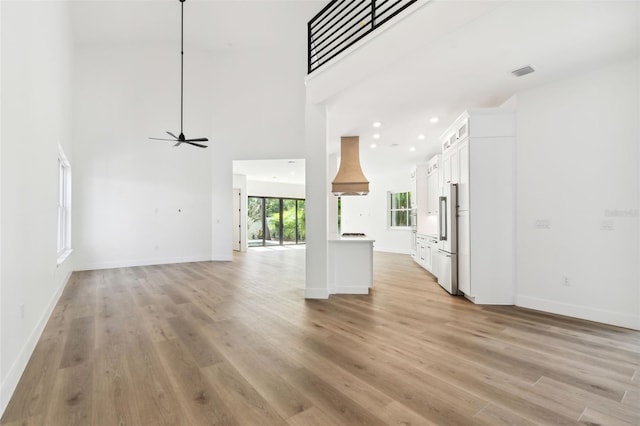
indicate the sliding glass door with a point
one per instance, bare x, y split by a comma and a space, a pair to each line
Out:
275, 221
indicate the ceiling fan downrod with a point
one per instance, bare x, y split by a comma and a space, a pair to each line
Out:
181, 138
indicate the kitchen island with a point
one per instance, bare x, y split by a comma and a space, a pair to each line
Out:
350, 263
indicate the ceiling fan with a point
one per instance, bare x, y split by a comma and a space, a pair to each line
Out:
182, 139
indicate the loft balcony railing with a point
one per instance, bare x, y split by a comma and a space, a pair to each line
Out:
342, 23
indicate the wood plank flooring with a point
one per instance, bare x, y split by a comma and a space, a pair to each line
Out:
235, 343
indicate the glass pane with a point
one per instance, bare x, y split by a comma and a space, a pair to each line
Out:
302, 232
254, 221
272, 221
403, 200
394, 201
399, 200
400, 218
288, 221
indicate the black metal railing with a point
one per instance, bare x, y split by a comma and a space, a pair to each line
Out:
342, 23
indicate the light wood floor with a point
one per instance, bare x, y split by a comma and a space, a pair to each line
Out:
236, 343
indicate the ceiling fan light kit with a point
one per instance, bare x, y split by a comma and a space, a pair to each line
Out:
181, 138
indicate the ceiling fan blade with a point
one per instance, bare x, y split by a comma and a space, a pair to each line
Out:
196, 144
160, 139
178, 144
197, 140
173, 136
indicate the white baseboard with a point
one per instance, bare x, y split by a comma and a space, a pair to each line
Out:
583, 312
12, 378
316, 293
391, 250
92, 266
352, 290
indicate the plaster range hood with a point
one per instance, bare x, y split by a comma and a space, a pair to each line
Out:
350, 180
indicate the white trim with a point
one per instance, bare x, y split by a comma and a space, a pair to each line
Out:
316, 293
12, 378
352, 290
141, 262
64, 192
399, 228
390, 212
582, 312
63, 256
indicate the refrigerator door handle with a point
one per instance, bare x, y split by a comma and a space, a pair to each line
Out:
442, 212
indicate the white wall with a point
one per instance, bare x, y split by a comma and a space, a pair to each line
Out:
577, 167
275, 189
369, 213
36, 114
258, 113
141, 201
240, 182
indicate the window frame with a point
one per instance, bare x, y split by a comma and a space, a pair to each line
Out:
391, 211
63, 240
280, 223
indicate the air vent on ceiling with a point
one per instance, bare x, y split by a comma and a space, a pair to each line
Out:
523, 71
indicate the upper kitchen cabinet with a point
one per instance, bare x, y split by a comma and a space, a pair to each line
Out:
413, 188
420, 196
479, 156
433, 185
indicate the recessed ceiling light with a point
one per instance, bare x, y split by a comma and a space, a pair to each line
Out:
413, 148
434, 120
376, 135
373, 145
377, 124
421, 136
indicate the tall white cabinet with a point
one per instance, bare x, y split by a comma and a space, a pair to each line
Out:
479, 155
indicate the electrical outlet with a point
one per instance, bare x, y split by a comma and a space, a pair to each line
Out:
565, 281
606, 225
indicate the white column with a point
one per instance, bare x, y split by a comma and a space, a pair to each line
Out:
316, 202
332, 200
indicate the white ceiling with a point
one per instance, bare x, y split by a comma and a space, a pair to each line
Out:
209, 24
471, 66
466, 65
289, 170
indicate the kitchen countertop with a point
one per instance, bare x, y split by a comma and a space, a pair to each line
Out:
349, 239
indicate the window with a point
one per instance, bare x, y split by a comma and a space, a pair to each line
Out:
275, 221
64, 206
399, 209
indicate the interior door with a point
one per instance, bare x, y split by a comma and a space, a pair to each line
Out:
237, 211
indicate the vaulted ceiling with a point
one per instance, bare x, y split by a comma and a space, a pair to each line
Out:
459, 61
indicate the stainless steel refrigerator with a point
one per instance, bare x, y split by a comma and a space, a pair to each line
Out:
446, 256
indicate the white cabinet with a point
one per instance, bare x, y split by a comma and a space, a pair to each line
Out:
433, 185
350, 265
431, 249
421, 250
463, 175
426, 246
464, 280
479, 155
413, 189
421, 198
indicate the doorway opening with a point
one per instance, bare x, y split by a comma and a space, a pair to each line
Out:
271, 202
275, 221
